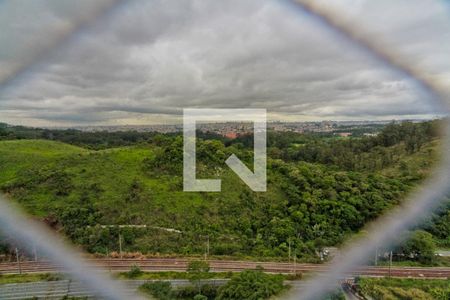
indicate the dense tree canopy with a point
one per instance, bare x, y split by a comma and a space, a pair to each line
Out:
321, 189
251, 285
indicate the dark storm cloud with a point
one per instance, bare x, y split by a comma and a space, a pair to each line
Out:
150, 59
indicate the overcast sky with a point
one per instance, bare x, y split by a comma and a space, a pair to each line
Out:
107, 62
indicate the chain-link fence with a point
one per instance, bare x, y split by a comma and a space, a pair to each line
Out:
382, 232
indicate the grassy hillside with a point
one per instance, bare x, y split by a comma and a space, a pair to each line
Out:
17, 155
50, 178
309, 204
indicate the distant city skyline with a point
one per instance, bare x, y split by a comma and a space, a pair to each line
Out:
179, 122
229, 127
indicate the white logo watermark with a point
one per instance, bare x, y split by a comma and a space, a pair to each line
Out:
255, 180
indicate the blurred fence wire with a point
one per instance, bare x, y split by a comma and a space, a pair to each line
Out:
27, 231
41, 53
382, 232
385, 230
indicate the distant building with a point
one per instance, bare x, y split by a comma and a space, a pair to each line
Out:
231, 135
344, 134
370, 134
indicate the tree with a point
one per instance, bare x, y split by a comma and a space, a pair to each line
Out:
198, 270
134, 272
420, 246
251, 285
160, 289
200, 297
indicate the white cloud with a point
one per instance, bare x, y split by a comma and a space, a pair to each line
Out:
146, 60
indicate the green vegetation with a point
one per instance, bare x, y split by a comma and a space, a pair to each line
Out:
198, 270
160, 290
337, 295
245, 285
24, 278
90, 140
402, 289
408, 262
206, 291
420, 246
174, 275
251, 285
34, 277
370, 153
321, 190
417, 249
134, 272
163, 290
439, 226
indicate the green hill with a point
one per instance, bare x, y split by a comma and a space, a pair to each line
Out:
309, 204
19, 155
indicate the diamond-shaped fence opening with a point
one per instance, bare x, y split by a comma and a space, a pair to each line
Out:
382, 232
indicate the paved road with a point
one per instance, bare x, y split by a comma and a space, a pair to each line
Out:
178, 264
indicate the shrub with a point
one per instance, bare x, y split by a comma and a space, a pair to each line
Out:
198, 270
189, 292
420, 246
209, 291
440, 294
412, 293
134, 272
159, 289
251, 285
52, 277
295, 276
381, 293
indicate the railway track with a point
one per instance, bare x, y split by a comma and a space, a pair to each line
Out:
176, 264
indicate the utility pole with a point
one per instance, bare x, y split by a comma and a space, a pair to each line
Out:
120, 246
390, 263
68, 286
107, 259
18, 261
289, 251
295, 261
206, 247
35, 252
206, 252
376, 256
